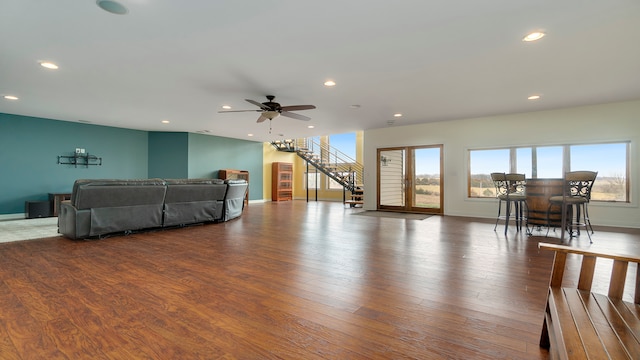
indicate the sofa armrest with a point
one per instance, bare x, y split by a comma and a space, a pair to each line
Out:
73, 223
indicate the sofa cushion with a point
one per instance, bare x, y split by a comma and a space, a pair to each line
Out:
101, 193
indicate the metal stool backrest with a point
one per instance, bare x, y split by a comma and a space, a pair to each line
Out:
501, 183
508, 184
579, 183
517, 183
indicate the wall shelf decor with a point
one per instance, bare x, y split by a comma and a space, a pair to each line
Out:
79, 159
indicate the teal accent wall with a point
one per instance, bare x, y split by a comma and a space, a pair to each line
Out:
208, 154
168, 155
29, 148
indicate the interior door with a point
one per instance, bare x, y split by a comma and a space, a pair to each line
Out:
410, 179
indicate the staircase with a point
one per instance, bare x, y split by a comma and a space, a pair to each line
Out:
336, 165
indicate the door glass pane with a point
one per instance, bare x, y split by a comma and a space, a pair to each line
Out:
426, 182
392, 178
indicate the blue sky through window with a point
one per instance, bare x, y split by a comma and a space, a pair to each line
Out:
345, 143
607, 159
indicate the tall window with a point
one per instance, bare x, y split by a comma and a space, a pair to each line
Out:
311, 180
344, 143
343, 150
611, 161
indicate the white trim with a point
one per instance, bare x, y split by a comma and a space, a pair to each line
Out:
18, 216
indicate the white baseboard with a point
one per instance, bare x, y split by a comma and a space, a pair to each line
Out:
18, 216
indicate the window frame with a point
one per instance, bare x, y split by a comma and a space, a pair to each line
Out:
566, 163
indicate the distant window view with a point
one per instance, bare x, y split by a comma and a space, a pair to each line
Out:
344, 146
344, 143
609, 160
311, 180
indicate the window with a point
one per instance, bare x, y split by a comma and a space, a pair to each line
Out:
548, 163
481, 164
311, 181
342, 151
333, 185
345, 144
610, 160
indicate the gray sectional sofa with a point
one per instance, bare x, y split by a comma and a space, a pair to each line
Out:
101, 207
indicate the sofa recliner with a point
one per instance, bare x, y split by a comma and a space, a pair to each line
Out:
234, 200
190, 201
100, 207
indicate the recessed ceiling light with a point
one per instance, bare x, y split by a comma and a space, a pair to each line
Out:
111, 6
533, 97
329, 83
536, 35
249, 135
226, 107
397, 115
10, 97
310, 127
48, 65
165, 121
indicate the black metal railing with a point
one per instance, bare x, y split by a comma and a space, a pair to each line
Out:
337, 165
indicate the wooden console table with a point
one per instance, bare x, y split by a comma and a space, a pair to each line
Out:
226, 174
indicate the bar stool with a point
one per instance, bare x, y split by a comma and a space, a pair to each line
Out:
510, 188
576, 194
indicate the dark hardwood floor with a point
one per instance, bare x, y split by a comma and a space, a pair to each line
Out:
287, 280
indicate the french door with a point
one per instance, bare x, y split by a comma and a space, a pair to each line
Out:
410, 179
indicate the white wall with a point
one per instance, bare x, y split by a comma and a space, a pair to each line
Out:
588, 124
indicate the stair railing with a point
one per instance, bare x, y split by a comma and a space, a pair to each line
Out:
337, 165
343, 169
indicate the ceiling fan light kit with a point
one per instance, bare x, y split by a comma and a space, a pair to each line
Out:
113, 7
270, 109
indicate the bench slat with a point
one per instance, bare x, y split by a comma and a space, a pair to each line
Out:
607, 334
563, 326
625, 333
586, 272
557, 273
603, 254
618, 278
631, 315
583, 326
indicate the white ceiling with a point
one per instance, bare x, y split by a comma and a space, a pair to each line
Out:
429, 60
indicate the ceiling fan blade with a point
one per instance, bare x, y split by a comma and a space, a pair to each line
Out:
295, 116
261, 106
262, 118
226, 111
298, 107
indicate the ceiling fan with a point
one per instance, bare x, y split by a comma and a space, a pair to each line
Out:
269, 110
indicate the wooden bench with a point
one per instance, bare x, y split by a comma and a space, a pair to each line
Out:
581, 324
